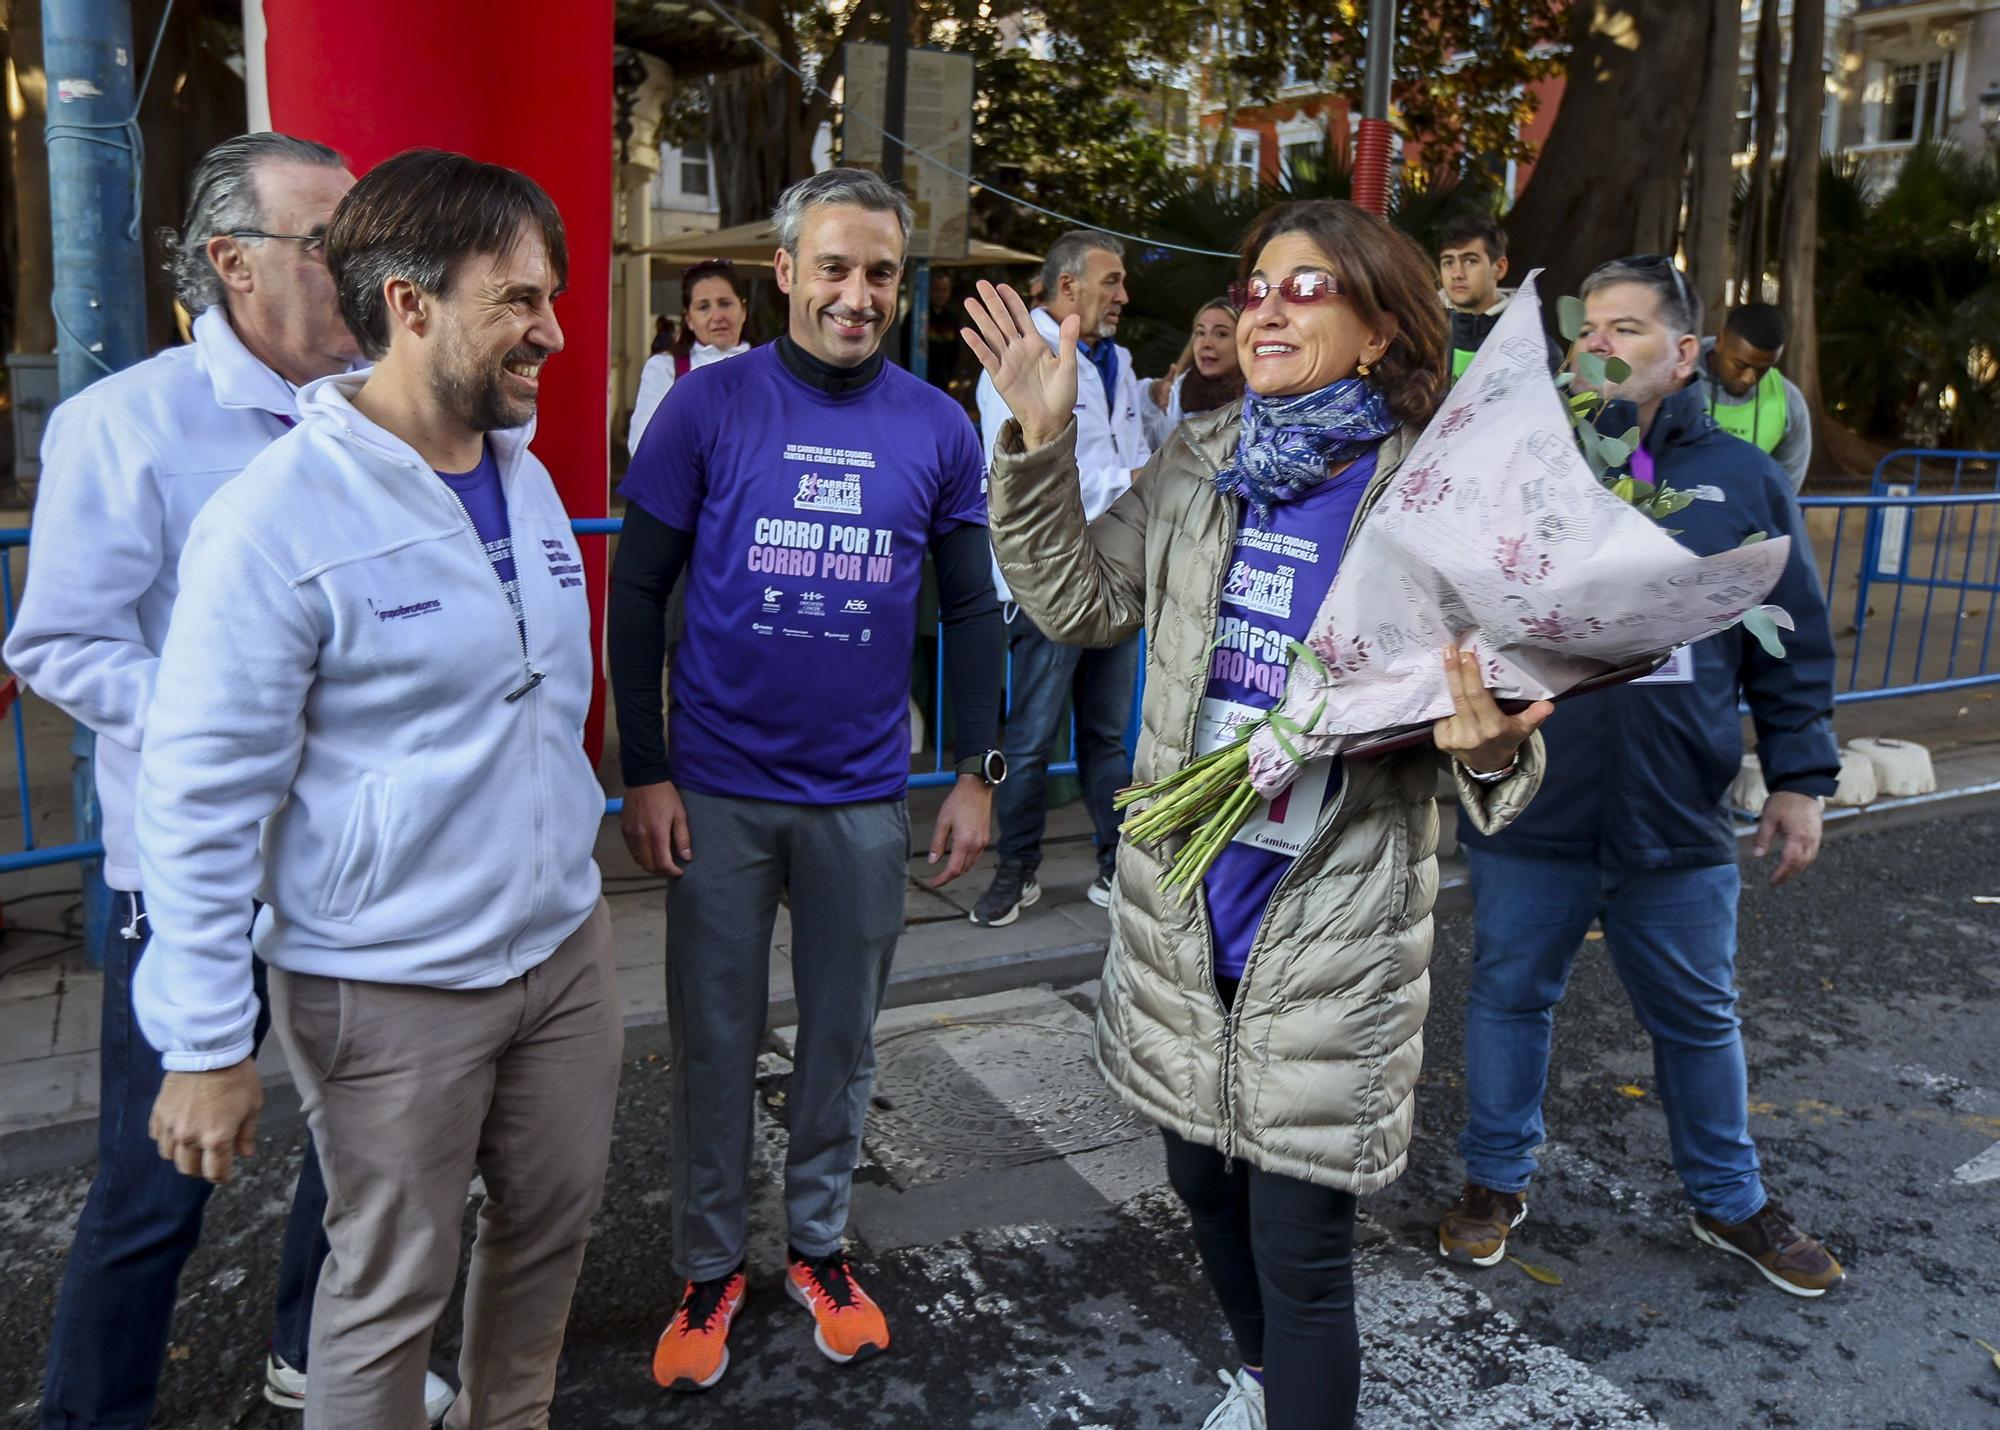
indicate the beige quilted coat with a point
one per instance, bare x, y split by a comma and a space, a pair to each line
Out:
1313, 1073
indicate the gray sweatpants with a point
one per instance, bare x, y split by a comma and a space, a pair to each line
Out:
844, 867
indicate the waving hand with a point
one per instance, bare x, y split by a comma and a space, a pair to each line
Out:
1038, 386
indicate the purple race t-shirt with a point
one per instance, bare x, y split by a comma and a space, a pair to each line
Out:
1278, 579
485, 502
810, 514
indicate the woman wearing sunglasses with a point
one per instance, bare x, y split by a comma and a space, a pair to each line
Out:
1272, 1023
713, 312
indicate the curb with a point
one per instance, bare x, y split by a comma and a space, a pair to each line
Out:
59, 1146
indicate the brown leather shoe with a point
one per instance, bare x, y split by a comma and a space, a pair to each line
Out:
1790, 1260
1475, 1230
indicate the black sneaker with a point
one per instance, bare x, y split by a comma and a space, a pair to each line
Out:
1012, 890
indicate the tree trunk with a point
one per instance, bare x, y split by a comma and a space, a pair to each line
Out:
1609, 178
1713, 176
1798, 242
28, 105
1754, 242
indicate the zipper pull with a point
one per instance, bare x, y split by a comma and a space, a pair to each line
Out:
535, 677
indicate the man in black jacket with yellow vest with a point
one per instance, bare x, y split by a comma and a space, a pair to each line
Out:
1630, 829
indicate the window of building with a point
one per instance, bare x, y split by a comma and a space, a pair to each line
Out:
1246, 160
694, 168
1301, 161
1917, 96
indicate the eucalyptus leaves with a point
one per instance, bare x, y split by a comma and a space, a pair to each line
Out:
1582, 382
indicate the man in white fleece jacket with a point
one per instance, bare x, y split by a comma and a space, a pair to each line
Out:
126, 465
382, 657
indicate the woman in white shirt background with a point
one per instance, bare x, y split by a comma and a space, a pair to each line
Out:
1207, 376
712, 318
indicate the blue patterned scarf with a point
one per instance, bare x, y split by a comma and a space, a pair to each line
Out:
1288, 443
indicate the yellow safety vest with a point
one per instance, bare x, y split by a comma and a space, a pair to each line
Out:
1461, 359
1761, 420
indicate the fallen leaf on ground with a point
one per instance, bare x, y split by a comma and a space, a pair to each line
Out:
1539, 1273
1632, 1089
1594, 936
1988, 1348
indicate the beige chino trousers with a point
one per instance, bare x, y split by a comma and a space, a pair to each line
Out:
411, 1090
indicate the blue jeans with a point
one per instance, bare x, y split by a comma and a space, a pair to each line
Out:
140, 1224
1045, 676
1671, 934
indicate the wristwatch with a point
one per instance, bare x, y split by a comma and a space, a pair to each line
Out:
990, 767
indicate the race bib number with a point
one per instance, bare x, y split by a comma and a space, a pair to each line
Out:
1679, 670
1286, 824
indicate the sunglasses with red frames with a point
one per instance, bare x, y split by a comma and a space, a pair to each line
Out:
1308, 287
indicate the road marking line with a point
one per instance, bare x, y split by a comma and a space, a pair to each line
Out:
1983, 1168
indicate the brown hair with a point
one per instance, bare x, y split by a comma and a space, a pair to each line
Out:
1387, 279
418, 216
723, 268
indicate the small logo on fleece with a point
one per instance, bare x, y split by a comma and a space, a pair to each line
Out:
408, 611
817, 493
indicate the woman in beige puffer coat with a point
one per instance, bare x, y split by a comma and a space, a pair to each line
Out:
1271, 1024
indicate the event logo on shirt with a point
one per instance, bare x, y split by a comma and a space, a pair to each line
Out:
772, 596
812, 603
817, 493
1269, 592
857, 607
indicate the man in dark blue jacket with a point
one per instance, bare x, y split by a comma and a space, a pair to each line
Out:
1630, 829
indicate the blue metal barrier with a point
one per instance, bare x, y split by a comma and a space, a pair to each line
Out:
1930, 537
1916, 471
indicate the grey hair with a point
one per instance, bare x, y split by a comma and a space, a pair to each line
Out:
837, 186
222, 197
1066, 256
1680, 305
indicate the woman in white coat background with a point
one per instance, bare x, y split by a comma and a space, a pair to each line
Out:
713, 312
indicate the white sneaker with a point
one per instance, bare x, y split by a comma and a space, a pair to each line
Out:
1242, 1408
286, 1389
1099, 892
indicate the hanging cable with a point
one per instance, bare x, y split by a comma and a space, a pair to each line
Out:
723, 14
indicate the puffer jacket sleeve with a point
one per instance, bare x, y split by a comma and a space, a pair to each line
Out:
1083, 583
1491, 808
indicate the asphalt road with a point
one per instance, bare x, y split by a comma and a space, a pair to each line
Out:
1012, 1221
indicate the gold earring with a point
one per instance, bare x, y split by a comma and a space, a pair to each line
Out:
1361, 369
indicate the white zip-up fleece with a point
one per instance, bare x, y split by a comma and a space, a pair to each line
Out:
1111, 440
126, 464
339, 669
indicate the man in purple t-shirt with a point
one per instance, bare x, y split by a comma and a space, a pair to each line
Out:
799, 488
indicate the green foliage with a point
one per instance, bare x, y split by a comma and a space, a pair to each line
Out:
1908, 296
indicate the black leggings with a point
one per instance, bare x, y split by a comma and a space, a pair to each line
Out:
1280, 1254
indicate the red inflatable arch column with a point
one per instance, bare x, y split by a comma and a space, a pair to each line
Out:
525, 83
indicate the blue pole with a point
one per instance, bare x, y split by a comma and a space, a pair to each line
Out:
920, 319
100, 280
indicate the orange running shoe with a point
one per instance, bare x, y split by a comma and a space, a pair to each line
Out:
694, 1349
847, 1324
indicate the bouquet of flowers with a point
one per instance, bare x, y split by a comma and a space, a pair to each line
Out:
1508, 531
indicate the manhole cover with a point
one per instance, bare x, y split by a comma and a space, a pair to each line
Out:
978, 1095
